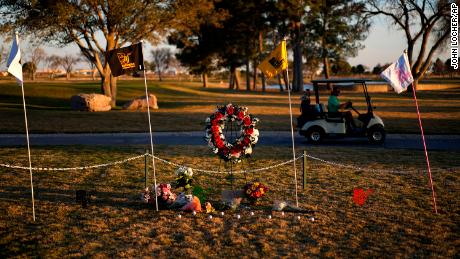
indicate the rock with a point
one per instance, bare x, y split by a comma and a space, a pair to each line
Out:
90, 102
140, 103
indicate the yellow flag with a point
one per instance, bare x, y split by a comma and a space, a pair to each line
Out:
275, 62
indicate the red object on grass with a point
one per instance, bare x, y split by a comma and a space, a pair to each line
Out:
360, 196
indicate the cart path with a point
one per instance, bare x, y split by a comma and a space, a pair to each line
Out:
267, 138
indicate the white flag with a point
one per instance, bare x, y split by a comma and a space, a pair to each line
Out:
14, 60
399, 74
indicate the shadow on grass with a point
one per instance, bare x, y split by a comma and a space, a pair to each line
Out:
67, 197
36, 103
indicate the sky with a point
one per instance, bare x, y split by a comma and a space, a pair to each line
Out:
384, 44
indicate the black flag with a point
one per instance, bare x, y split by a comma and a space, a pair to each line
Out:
126, 59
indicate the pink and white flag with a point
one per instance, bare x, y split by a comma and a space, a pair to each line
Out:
398, 74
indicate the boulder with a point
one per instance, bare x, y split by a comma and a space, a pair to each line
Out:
140, 103
90, 102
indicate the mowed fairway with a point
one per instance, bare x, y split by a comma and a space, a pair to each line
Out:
184, 107
396, 220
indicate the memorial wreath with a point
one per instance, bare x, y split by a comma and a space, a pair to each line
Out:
243, 144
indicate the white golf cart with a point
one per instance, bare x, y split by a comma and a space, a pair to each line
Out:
323, 124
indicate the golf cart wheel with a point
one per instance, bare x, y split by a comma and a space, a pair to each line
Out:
315, 135
376, 135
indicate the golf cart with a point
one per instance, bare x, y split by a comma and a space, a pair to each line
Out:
323, 124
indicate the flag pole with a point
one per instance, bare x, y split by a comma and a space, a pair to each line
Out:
426, 152
292, 130
150, 131
15, 68
28, 151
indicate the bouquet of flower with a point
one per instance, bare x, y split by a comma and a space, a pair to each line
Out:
255, 191
164, 194
184, 178
146, 196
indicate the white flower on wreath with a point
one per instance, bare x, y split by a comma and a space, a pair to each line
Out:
254, 139
210, 144
248, 150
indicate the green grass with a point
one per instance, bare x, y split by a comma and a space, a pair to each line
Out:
185, 105
396, 221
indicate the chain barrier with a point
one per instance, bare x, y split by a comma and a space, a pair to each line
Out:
234, 172
74, 168
350, 166
202, 170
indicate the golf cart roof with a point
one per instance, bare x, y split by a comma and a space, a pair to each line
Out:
340, 80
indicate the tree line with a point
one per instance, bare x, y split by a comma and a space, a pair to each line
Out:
32, 57
212, 35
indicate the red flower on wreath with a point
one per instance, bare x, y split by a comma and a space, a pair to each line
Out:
235, 150
217, 119
219, 143
240, 115
246, 141
247, 121
249, 131
230, 110
215, 129
218, 116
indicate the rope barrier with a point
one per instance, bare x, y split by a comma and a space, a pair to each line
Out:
202, 170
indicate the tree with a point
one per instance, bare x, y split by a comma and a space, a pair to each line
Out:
195, 40
3, 54
439, 68
422, 21
199, 60
334, 30
37, 56
67, 62
341, 67
96, 26
289, 16
359, 69
377, 69
29, 68
53, 64
238, 36
312, 65
161, 59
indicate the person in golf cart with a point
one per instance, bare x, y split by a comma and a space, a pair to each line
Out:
334, 106
307, 111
